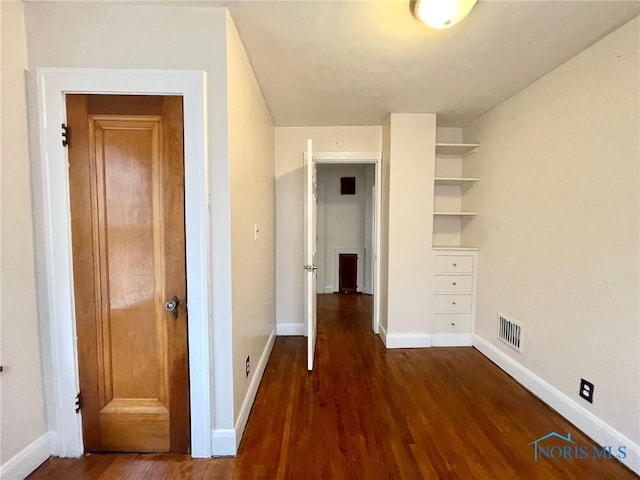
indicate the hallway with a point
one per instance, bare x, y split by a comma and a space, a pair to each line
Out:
370, 413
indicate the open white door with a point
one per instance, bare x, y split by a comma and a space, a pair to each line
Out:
310, 249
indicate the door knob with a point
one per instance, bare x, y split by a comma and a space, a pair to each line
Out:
172, 306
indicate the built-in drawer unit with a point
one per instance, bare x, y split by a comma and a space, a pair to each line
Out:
453, 302
454, 294
453, 263
453, 283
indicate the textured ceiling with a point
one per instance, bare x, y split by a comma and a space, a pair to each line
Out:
353, 62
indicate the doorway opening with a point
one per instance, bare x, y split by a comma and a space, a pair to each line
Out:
346, 229
348, 273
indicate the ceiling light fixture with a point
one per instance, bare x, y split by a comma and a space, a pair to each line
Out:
442, 13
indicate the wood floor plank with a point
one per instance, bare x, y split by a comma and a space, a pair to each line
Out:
370, 413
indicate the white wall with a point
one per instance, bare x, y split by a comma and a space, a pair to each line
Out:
369, 227
343, 226
290, 143
117, 35
449, 135
558, 225
22, 415
251, 158
383, 289
410, 269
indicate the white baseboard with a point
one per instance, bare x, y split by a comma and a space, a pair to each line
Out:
249, 398
223, 442
382, 333
290, 329
26, 460
328, 289
600, 431
452, 339
425, 340
408, 340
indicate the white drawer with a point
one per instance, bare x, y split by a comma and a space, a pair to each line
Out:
453, 264
452, 303
453, 283
452, 323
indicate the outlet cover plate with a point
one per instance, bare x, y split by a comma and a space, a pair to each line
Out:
586, 390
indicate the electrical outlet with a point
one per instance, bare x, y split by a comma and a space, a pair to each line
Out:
586, 390
247, 368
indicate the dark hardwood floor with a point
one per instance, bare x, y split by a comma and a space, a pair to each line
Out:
370, 413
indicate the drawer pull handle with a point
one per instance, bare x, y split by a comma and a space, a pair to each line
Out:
453, 283
455, 264
453, 324
453, 303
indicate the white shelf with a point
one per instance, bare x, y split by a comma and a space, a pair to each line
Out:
455, 214
455, 181
456, 248
461, 149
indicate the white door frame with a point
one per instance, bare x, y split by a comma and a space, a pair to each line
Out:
323, 158
53, 235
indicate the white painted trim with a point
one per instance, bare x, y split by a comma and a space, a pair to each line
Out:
375, 158
408, 340
53, 223
226, 441
583, 419
347, 157
377, 246
290, 329
328, 289
26, 460
451, 339
245, 410
223, 442
382, 333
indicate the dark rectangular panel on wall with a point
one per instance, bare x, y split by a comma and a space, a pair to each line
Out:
347, 185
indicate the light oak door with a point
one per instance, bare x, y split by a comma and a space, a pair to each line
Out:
127, 208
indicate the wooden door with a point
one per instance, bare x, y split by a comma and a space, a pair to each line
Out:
348, 272
127, 218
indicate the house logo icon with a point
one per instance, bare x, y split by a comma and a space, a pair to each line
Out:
546, 437
565, 447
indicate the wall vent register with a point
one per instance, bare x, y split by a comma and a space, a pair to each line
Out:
510, 332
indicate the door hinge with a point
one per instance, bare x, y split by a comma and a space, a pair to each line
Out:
78, 402
66, 135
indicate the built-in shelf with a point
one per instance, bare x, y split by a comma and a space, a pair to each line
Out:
455, 214
461, 149
451, 215
455, 181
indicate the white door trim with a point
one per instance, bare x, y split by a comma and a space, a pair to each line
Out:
53, 236
365, 158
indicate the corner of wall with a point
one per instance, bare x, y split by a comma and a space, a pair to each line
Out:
26, 460
599, 430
